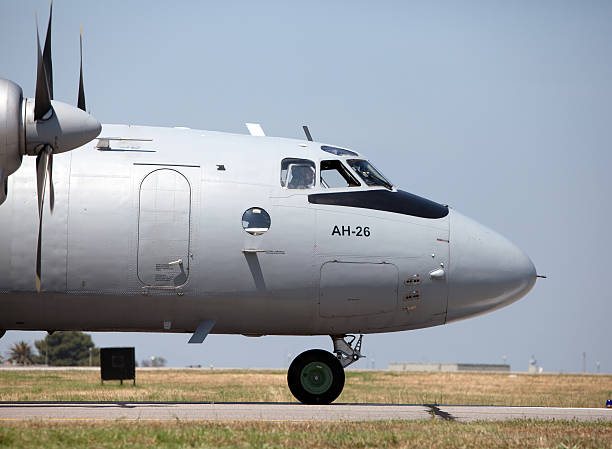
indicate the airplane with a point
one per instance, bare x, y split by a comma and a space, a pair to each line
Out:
152, 229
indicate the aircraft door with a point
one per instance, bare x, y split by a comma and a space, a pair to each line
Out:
164, 229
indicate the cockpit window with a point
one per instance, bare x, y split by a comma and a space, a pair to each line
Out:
297, 173
368, 173
335, 174
338, 151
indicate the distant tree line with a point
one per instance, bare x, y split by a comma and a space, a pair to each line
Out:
69, 348
64, 348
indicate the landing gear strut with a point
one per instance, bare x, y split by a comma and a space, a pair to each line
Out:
345, 351
317, 376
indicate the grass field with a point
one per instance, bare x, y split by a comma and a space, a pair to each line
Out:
564, 390
270, 386
427, 434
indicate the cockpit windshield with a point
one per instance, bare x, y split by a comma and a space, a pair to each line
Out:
368, 173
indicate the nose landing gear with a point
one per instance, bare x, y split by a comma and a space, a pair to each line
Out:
317, 376
346, 352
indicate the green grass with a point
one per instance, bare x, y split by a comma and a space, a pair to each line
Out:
563, 390
431, 434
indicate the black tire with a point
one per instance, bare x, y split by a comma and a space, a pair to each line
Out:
316, 377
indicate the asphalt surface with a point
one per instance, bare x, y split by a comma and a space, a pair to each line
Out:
161, 411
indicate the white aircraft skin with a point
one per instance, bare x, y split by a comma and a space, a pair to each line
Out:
97, 276
164, 230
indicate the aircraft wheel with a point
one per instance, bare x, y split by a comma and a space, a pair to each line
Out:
315, 377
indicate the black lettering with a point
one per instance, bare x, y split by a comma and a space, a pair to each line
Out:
357, 231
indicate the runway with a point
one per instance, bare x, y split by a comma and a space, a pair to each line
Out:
290, 412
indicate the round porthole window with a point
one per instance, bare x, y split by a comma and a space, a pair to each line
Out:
256, 221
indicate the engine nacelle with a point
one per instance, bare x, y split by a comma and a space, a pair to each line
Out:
12, 135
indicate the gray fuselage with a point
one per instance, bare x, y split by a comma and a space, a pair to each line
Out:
147, 235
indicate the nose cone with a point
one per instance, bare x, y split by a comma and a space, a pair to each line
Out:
75, 127
486, 270
66, 129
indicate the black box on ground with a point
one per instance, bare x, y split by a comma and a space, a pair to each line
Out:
117, 364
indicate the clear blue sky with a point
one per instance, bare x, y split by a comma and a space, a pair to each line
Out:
500, 109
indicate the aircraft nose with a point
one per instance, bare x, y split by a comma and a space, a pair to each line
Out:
486, 272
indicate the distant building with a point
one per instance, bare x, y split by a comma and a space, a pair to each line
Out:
448, 367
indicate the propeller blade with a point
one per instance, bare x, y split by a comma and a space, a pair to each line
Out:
51, 188
81, 100
38, 255
47, 54
42, 168
42, 100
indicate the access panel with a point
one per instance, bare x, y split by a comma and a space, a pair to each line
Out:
356, 288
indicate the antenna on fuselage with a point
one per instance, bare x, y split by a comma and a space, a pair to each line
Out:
255, 129
307, 132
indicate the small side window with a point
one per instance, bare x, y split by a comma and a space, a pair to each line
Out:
256, 221
334, 174
297, 173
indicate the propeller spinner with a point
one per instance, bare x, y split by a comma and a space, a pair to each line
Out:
49, 127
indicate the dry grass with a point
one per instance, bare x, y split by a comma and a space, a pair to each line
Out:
562, 390
256, 386
432, 434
